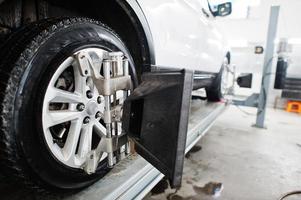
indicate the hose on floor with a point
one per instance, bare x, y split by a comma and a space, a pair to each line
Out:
243, 111
290, 194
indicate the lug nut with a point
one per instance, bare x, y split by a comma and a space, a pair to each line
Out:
80, 107
86, 120
89, 94
98, 115
99, 99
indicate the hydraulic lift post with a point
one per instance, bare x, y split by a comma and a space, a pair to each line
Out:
267, 67
260, 100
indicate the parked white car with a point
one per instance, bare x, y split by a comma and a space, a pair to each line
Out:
54, 59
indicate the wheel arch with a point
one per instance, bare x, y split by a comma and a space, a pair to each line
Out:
126, 18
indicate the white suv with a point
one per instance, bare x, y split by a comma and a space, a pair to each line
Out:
56, 112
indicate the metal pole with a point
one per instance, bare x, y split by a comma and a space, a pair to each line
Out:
125, 95
117, 62
106, 72
267, 67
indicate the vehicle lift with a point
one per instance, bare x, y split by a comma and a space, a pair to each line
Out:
260, 100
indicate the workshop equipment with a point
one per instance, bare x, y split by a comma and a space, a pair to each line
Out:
293, 106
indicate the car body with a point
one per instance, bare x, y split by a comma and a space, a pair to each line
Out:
184, 34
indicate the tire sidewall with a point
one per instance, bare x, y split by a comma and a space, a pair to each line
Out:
214, 92
27, 118
224, 70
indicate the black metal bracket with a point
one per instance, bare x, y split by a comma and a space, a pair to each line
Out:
155, 116
245, 80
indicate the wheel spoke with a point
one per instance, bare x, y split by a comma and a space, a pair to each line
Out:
100, 129
53, 118
85, 143
70, 99
55, 95
72, 139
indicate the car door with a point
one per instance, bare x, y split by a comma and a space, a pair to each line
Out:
178, 30
216, 46
213, 48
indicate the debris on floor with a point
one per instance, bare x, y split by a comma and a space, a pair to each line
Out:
211, 188
243, 158
160, 187
194, 149
209, 191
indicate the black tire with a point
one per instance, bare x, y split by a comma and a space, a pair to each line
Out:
28, 60
214, 92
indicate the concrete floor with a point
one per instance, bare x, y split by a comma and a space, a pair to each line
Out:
251, 163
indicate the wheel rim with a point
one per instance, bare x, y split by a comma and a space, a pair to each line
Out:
72, 112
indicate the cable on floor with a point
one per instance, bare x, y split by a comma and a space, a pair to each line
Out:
245, 112
290, 194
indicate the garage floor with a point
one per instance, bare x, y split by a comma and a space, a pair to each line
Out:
251, 163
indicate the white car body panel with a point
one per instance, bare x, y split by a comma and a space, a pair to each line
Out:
183, 36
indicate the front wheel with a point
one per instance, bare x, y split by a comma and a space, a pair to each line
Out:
51, 113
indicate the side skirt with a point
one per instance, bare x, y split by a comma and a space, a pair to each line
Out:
201, 79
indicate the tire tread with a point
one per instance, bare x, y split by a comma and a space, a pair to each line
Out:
29, 38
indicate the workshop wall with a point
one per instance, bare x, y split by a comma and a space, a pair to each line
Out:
246, 30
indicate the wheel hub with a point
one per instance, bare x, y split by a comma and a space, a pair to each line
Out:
80, 111
92, 108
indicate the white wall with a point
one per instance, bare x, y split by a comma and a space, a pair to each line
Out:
253, 29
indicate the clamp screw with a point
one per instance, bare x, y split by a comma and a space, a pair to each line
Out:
80, 107
89, 94
86, 120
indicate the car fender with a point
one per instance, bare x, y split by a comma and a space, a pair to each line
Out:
182, 37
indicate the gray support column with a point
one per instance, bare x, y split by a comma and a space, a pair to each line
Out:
267, 67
